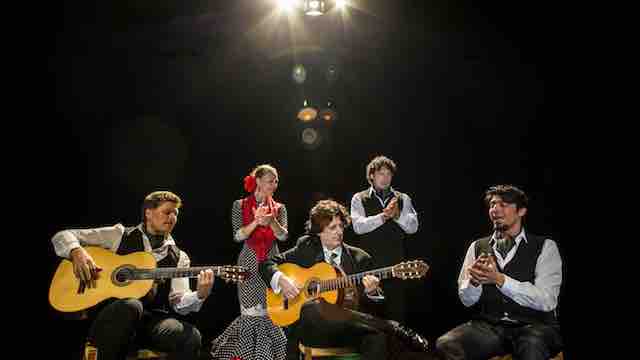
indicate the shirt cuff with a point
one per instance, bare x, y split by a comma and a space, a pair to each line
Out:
377, 296
274, 282
468, 287
508, 287
189, 299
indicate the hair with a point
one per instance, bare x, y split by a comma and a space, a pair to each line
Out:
264, 169
156, 199
323, 212
378, 163
509, 194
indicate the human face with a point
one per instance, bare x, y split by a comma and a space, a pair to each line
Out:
382, 178
266, 185
331, 235
162, 219
505, 216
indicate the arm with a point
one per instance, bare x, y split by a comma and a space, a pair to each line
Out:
370, 284
468, 291
240, 233
279, 225
543, 294
66, 241
361, 223
408, 219
182, 298
269, 268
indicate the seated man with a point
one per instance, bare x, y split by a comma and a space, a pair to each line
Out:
512, 279
322, 324
149, 321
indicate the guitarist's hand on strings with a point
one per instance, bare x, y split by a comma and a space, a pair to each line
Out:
205, 283
288, 287
84, 268
370, 283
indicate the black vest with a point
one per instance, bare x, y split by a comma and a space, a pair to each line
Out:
492, 304
158, 296
385, 244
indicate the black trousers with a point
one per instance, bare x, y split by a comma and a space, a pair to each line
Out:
395, 300
479, 339
328, 325
123, 323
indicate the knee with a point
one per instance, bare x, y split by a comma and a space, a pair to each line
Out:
449, 346
129, 308
531, 341
193, 339
445, 341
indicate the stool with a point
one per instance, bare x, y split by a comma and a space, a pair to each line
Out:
341, 353
508, 357
91, 353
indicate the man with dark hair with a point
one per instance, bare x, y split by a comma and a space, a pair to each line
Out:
383, 217
322, 324
512, 280
148, 320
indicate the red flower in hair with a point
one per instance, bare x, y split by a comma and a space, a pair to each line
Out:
249, 184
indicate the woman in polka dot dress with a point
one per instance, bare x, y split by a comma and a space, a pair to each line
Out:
257, 221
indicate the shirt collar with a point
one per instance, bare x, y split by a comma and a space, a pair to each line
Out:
167, 241
521, 236
327, 252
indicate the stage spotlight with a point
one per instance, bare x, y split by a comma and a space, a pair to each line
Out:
328, 114
314, 7
286, 5
299, 74
311, 138
307, 113
331, 73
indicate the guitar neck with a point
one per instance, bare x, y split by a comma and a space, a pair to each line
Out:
170, 273
354, 279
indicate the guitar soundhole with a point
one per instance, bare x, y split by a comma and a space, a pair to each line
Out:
122, 275
313, 288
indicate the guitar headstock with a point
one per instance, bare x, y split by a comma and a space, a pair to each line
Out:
233, 273
410, 269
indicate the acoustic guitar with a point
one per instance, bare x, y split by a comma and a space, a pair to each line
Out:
325, 281
122, 276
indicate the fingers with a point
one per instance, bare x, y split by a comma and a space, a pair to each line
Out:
175, 298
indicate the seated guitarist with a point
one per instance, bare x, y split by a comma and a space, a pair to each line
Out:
322, 324
148, 321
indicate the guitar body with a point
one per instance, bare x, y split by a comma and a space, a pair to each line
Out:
285, 312
63, 294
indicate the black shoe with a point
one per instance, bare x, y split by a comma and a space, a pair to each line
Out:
412, 338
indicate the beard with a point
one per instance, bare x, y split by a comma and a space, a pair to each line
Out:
500, 227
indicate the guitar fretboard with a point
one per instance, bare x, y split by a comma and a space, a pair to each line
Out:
169, 273
354, 279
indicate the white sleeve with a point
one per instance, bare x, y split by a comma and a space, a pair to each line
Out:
361, 223
190, 301
408, 219
106, 237
543, 294
468, 293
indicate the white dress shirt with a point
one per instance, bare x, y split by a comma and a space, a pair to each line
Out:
542, 295
109, 238
362, 224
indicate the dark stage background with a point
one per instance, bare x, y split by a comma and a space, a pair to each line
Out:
190, 95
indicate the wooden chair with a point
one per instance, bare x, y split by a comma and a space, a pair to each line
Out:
508, 357
91, 353
342, 353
